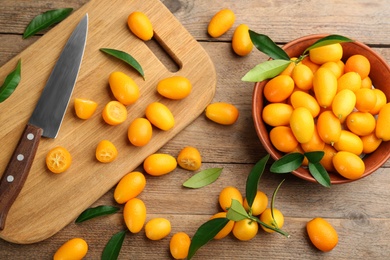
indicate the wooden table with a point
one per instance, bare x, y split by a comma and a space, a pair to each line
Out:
359, 211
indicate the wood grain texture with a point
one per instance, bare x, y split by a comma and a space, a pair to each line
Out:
55, 200
360, 211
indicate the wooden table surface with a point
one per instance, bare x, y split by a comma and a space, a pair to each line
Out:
360, 211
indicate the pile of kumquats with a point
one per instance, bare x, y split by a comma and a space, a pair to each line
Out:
324, 104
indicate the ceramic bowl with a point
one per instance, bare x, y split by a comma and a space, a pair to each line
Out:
380, 76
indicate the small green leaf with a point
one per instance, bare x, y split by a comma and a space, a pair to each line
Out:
287, 163
331, 39
96, 212
203, 178
314, 156
254, 178
266, 70
127, 58
264, 44
320, 174
113, 247
11, 82
45, 20
236, 211
206, 232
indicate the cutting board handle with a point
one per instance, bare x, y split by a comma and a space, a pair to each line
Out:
17, 169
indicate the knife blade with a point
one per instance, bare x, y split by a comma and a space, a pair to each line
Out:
46, 118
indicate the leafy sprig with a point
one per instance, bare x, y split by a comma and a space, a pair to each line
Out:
207, 231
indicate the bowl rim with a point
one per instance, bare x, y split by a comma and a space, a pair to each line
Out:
260, 126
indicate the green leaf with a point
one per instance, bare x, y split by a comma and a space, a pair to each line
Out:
45, 20
113, 247
236, 211
206, 232
331, 39
320, 174
253, 179
264, 44
314, 156
127, 58
11, 82
96, 212
266, 70
203, 178
287, 163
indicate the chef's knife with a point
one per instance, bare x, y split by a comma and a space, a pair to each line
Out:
46, 118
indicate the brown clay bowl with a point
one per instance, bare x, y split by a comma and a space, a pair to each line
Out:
380, 76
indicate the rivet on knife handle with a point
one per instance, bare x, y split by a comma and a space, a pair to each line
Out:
17, 169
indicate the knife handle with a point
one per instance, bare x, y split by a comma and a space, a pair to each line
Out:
17, 169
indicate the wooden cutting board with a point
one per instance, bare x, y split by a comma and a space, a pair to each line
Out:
48, 202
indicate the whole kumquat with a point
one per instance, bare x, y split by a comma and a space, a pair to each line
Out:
157, 228
84, 108
283, 139
366, 82
312, 66
175, 87
245, 229
179, 245
124, 88
106, 151
327, 159
159, 164
323, 54
160, 116
226, 229
226, 195
350, 80
322, 234
279, 88
365, 99
302, 76
221, 22
130, 186
361, 123
276, 114
222, 113
275, 219
302, 124
334, 67
350, 142
241, 41
58, 159
381, 100
383, 123
140, 132
140, 25
324, 86
75, 249
259, 203
358, 63
303, 99
134, 214
370, 143
328, 127
343, 104
114, 113
348, 165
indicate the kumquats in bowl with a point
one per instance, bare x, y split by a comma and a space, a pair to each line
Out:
354, 121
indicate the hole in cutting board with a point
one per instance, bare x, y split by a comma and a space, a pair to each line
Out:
170, 61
